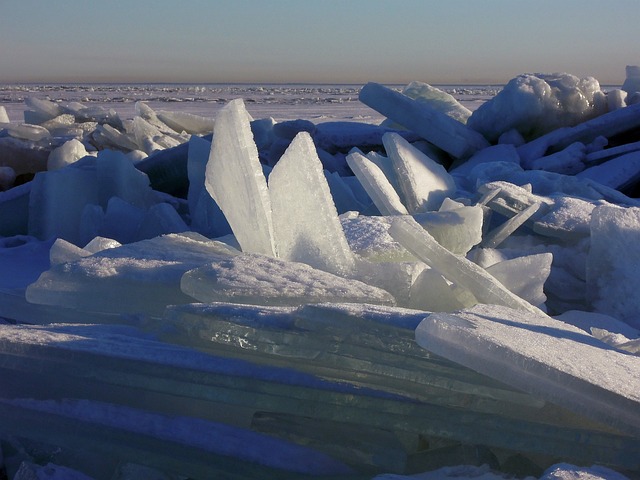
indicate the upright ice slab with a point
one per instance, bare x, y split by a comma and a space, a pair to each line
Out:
235, 180
305, 220
438, 128
542, 356
613, 280
377, 185
424, 183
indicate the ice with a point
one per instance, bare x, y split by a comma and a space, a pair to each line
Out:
464, 273
543, 356
525, 276
257, 279
206, 216
618, 173
69, 152
431, 124
498, 235
41, 109
631, 83
297, 186
457, 229
4, 118
141, 277
569, 219
438, 99
7, 178
368, 237
374, 181
235, 180
536, 104
424, 183
612, 273
605, 125
569, 161
25, 131
186, 122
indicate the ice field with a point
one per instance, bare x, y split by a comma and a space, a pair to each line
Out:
346, 282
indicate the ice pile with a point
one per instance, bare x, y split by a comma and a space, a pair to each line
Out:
449, 287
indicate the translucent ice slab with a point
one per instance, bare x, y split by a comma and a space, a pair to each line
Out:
438, 128
305, 220
543, 356
235, 180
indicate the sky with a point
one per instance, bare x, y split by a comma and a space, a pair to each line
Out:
315, 41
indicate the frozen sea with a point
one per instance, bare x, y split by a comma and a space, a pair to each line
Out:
314, 102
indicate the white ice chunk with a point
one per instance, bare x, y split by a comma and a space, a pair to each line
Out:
568, 161
464, 273
537, 104
141, 277
438, 99
343, 196
46, 109
68, 152
434, 126
458, 230
305, 220
97, 244
63, 251
542, 356
117, 138
261, 280
525, 276
613, 277
186, 122
374, 181
26, 131
632, 81
424, 183
621, 172
235, 180
368, 236
432, 292
4, 118
616, 99
568, 219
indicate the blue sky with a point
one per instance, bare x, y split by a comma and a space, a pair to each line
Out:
333, 41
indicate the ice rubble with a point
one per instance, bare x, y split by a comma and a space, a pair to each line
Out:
315, 285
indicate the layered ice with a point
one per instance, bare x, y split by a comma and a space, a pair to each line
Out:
538, 354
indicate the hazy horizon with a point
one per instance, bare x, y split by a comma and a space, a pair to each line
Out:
462, 42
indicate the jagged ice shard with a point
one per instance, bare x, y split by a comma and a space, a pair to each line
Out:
297, 186
235, 180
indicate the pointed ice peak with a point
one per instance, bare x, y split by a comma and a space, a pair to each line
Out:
298, 187
235, 180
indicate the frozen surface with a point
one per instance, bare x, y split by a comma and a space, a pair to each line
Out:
258, 279
141, 277
543, 356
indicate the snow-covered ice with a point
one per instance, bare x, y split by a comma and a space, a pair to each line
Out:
446, 292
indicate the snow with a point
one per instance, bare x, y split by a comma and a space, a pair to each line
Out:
300, 295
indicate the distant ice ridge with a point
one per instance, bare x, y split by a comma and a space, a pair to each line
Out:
233, 271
